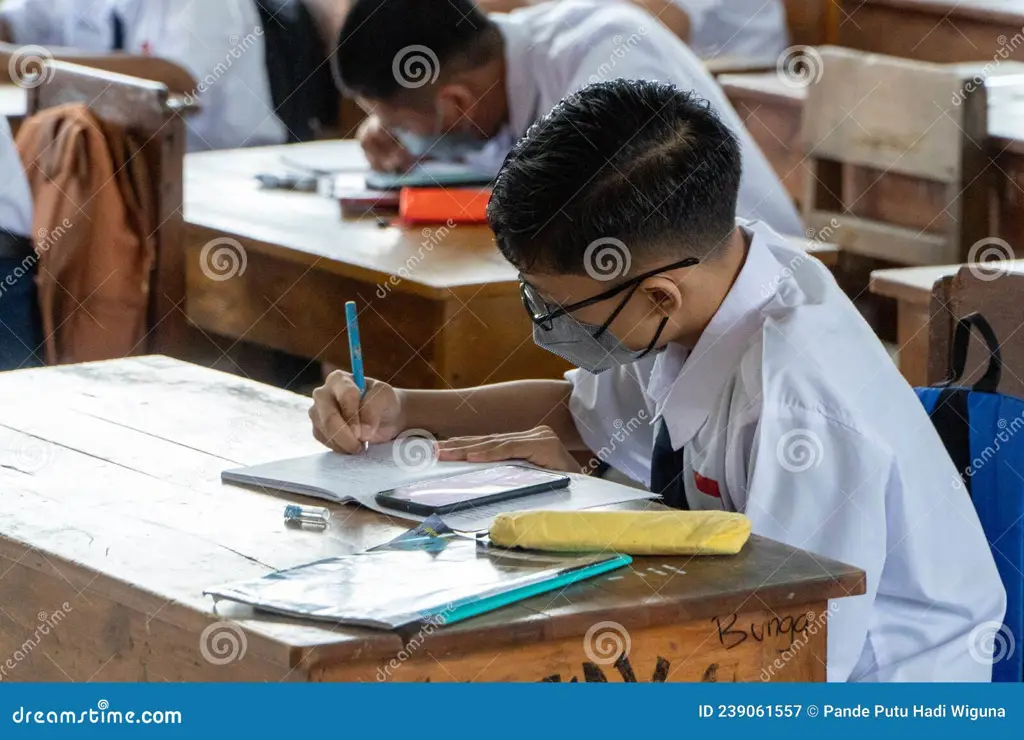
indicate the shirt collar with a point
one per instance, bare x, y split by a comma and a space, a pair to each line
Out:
685, 385
521, 89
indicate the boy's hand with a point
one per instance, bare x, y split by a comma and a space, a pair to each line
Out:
343, 421
540, 446
383, 151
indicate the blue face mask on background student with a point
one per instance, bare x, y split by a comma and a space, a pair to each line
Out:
450, 146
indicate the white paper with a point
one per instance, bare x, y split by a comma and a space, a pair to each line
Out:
341, 478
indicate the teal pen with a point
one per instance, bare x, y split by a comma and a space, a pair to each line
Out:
355, 350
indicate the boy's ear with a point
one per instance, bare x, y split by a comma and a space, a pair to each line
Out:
456, 101
664, 294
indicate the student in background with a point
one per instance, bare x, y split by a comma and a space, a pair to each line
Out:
20, 333
441, 79
749, 28
230, 55
769, 394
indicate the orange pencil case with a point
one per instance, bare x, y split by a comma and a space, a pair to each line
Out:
441, 205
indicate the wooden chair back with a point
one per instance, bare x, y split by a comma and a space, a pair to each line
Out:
871, 119
997, 296
146, 110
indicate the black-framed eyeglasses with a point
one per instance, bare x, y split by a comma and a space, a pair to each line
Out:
542, 314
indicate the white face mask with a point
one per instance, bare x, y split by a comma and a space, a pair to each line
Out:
451, 146
588, 346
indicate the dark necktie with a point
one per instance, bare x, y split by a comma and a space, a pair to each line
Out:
667, 471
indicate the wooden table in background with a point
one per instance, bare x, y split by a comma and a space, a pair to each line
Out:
911, 288
933, 30
115, 520
438, 305
772, 112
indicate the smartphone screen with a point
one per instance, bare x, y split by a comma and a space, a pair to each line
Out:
469, 488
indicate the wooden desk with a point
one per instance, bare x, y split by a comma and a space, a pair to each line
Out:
933, 30
115, 519
13, 105
911, 288
772, 112
439, 306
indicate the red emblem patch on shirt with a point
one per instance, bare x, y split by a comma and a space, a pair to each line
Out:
706, 485
147, 49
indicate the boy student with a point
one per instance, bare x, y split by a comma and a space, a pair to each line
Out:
441, 79
751, 28
767, 392
20, 330
239, 56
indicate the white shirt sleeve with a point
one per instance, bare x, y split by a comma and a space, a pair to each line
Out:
222, 45
15, 197
35, 21
613, 417
818, 485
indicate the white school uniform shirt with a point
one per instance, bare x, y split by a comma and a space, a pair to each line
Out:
752, 28
15, 197
791, 408
553, 50
221, 44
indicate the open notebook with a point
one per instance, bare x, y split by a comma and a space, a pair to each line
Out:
358, 478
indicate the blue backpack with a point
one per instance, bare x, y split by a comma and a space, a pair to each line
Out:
983, 431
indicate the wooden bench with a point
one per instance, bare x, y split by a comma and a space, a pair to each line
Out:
115, 519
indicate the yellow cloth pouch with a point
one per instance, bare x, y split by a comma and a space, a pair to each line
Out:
627, 532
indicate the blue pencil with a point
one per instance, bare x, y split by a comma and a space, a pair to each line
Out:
355, 349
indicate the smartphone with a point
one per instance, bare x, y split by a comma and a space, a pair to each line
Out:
468, 490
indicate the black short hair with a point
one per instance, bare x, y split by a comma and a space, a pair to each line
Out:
640, 162
390, 47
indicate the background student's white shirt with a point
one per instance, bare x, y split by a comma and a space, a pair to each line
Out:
221, 44
753, 28
555, 49
15, 197
792, 406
